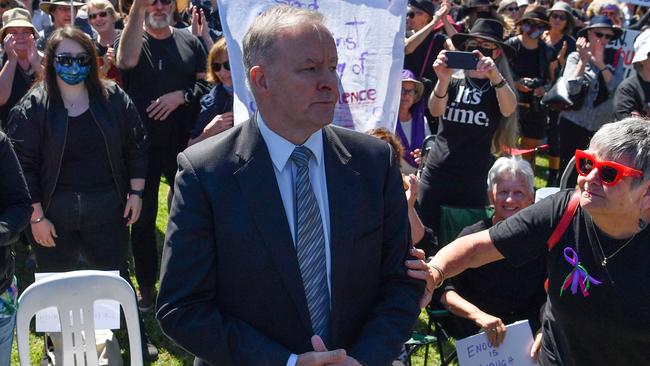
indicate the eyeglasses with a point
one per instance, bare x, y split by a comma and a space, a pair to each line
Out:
410, 92
536, 24
472, 43
163, 2
607, 36
558, 16
101, 14
217, 66
511, 9
411, 14
609, 14
609, 172
82, 59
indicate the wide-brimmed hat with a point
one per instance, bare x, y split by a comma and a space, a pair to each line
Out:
565, 8
504, 4
487, 29
407, 75
45, 5
17, 17
641, 47
600, 21
424, 5
537, 14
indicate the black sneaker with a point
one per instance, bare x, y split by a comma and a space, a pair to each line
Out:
146, 299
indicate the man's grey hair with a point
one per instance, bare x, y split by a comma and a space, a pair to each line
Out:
259, 39
507, 167
626, 139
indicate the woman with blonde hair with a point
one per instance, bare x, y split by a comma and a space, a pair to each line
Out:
477, 116
608, 8
216, 106
102, 17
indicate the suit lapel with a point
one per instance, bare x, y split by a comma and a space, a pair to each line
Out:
342, 183
261, 194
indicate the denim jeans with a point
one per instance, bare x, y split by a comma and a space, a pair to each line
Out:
7, 322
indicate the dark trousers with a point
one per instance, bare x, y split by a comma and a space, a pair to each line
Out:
439, 188
572, 137
143, 232
90, 224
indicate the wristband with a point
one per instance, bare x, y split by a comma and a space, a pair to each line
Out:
441, 96
139, 193
500, 84
440, 272
36, 221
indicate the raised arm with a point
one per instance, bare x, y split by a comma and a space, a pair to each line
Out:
128, 51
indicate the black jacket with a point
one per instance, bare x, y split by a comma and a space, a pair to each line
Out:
38, 127
629, 97
546, 56
15, 208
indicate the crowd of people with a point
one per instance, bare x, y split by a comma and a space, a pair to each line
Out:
99, 98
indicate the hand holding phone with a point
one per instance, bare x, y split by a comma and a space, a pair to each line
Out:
462, 60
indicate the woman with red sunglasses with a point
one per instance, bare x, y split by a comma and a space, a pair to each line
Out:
216, 106
598, 306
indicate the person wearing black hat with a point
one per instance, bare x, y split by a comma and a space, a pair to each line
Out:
531, 71
477, 116
426, 41
597, 72
478, 9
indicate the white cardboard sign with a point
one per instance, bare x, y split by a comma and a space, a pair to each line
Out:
106, 312
514, 351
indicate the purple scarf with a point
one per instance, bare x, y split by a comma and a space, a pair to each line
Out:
417, 132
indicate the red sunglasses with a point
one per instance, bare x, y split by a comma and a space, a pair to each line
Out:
609, 172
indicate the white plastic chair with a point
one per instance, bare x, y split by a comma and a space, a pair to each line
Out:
73, 294
545, 192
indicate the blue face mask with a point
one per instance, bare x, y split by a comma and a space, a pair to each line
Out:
72, 74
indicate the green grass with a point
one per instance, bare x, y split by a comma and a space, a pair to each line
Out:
169, 354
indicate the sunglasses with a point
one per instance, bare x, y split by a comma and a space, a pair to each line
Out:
607, 36
609, 172
512, 9
82, 59
558, 16
4, 5
163, 2
217, 66
101, 14
410, 92
412, 14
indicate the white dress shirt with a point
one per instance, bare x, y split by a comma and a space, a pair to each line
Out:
280, 151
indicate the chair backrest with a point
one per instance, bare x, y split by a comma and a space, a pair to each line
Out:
73, 294
453, 219
566, 174
545, 192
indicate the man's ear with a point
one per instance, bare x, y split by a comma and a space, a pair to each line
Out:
258, 80
645, 199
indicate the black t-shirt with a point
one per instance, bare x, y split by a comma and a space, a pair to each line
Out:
526, 65
610, 326
501, 289
646, 90
21, 84
164, 66
466, 129
85, 166
419, 63
101, 48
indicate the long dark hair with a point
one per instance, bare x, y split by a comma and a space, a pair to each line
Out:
96, 88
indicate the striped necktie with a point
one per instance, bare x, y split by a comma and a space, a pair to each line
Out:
310, 244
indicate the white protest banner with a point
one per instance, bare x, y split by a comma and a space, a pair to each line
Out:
369, 35
625, 47
514, 351
106, 312
645, 3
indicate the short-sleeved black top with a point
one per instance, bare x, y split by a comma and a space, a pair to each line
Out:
610, 326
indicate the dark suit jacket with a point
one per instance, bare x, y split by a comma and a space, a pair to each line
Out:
230, 288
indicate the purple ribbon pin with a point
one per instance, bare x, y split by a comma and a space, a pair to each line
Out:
578, 276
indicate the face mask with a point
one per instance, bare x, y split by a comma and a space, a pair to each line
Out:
485, 51
73, 74
532, 31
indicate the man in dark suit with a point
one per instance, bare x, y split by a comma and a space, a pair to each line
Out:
286, 236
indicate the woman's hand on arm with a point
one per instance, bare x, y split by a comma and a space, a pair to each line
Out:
42, 229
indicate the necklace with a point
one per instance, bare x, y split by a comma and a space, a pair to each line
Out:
602, 252
485, 87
